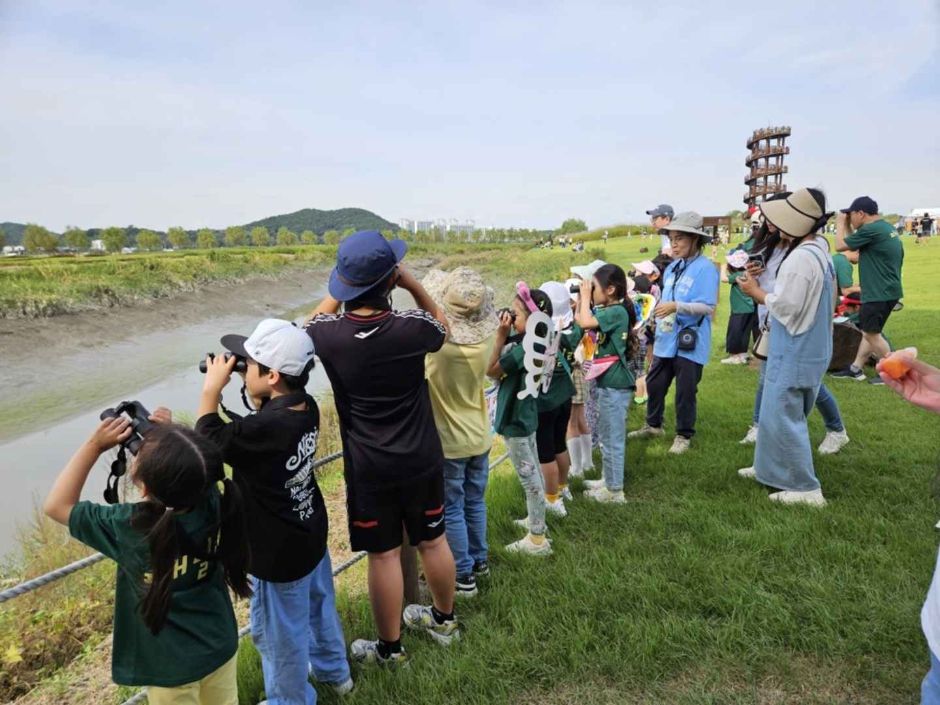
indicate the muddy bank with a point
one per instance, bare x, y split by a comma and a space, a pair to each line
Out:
22, 339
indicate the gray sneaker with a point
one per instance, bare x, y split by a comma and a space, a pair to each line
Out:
419, 617
366, 651
646, 432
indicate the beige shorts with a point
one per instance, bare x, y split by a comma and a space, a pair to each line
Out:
577, 377
218, 688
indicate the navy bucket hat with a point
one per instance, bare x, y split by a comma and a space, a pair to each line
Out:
363, 260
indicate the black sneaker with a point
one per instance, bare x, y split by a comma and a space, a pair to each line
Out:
849, 373
876, 380
481, 569
466, 585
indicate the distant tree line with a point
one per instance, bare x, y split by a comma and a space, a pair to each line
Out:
38, 239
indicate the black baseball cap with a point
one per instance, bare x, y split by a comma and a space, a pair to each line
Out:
863, 204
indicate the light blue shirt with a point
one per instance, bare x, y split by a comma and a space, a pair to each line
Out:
689, 281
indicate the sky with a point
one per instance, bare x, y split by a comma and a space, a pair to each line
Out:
510, 113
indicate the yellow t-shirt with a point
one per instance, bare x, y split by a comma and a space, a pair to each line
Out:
456, 379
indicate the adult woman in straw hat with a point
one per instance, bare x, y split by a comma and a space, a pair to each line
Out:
800, 311
683, 331
456, 377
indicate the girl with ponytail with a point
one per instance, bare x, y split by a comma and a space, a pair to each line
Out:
177, 551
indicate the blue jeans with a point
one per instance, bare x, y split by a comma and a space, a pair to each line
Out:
930, 688
465, 509
826, 404
612, 406
296, 630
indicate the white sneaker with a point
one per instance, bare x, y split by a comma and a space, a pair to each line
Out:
750, 438
747, 473
813, 498
591, 485
605, 496
735, 360
680, 445
556, 508
646, 432
566, 494
833, 442
527, 546
344, 688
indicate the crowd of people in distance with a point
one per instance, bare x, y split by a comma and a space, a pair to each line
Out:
420, 394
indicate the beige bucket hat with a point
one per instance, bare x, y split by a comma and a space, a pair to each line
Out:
798, 215
467, 303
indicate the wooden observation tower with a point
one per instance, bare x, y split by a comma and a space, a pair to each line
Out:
768, 150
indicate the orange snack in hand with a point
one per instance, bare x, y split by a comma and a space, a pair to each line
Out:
896, 366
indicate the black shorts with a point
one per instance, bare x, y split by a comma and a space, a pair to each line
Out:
550, 437
874, 315
377, 515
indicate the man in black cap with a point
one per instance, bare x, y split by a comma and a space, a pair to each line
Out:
660, 217
392, 455
880, 259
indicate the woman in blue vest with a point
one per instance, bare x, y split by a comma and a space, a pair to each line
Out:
683, 331
800, 311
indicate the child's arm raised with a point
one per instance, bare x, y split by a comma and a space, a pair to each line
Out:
583, 316
67, 489
502, 332
218, 372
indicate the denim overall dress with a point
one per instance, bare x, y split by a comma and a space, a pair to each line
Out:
794, 371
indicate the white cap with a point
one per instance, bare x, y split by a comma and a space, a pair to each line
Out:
586, 271
276, 344
561, 302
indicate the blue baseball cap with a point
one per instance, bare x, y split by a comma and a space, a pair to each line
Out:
363, 260
662, 209
863, 204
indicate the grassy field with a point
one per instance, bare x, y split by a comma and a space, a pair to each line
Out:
47, 286
699, 590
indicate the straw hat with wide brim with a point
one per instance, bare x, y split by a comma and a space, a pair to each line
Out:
467, 303
798, 215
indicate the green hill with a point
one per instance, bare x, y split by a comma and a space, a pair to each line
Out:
320, 221
306, 219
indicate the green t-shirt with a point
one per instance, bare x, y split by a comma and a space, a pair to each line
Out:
561, 388
515, 418
880, 258
844, 270
740, 302
612, 335
200, 633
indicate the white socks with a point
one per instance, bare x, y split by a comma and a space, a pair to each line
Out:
576, 469
580, 452
587, 455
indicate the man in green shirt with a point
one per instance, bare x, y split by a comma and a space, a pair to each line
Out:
880, 257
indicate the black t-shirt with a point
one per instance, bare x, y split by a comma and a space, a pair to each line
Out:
272, 454
376, 367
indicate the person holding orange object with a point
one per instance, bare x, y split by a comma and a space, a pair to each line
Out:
919, 383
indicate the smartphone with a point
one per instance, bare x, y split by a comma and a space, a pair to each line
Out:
758, 259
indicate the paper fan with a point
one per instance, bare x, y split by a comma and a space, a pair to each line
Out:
645, 304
